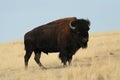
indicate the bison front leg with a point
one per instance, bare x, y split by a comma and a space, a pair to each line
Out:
69, 59
37, 59
63, 58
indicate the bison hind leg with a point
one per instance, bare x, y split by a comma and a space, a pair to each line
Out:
27, 57
37, 59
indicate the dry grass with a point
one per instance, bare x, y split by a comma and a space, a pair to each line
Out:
100, 61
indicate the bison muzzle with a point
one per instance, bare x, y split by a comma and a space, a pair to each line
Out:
65, 36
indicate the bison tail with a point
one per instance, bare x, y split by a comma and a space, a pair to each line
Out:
28, 44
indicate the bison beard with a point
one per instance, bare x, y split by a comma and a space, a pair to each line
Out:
64, 35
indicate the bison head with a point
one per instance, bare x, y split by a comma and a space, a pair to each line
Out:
80, 28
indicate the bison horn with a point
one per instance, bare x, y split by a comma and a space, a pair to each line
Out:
71, 26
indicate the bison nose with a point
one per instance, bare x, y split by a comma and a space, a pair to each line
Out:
85, 40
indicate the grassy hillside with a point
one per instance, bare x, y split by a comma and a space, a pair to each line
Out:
100, 61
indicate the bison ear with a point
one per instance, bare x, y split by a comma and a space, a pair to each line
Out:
71, 25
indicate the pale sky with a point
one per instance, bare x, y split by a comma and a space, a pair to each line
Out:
19, 16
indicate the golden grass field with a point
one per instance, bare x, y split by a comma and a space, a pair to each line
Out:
100, 61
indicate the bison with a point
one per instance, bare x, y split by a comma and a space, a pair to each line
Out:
65, 36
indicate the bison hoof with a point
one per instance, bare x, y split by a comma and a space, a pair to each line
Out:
42, 67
